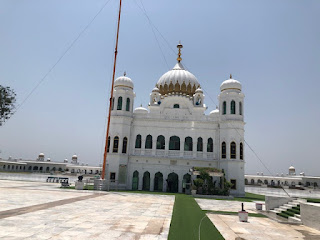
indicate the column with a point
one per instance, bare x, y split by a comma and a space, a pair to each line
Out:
180, 184
151, 182
181, 147
140, 180
194, 147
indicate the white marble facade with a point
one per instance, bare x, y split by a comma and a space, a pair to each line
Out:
149, 148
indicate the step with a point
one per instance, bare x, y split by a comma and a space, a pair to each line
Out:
284, 208
290, 205
275, 211
297, 216
294, 220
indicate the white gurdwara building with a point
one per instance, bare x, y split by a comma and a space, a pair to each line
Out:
155, 149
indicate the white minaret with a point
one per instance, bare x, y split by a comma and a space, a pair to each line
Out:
74, 159
41, 157
120, 128
231, 149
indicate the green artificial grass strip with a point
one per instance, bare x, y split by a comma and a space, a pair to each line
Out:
235, 213
291, 214
297, 207
294, 211
313, 200
283, 215
186, 218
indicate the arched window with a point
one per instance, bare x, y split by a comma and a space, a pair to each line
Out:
210, 145
128, 105
233, 154
224, 108
240, 108
223, 150
174, 143
115, 144
148, 142
124, 145
188, 144
119, 106
241, 151
138, 141
112, 107
161, 142
4, 166
200, 144
108, 144
233, 107
176, 106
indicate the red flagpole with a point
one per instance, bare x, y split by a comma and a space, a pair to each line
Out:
111, 97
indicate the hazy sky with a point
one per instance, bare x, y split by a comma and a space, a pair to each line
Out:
271, 47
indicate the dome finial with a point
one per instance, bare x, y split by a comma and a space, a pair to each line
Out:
230, 76
179, 46
125, 73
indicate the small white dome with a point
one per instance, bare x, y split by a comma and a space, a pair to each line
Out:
123, 81
74, 156
155, 89
41, 154
214, 112
230, 84
199, 90
178, 75
292, 168
140, 110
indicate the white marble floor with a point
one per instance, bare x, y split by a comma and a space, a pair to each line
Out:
65, 214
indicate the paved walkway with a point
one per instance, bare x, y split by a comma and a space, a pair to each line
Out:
260, 229
43, 211
257, 228
225, 205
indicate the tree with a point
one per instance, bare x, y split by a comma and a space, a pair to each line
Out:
7, 101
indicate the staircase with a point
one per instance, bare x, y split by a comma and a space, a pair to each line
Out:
290, 210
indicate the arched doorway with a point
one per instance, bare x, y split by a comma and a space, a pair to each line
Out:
158, 182
146, 181
186, 182
172, 183
135, 180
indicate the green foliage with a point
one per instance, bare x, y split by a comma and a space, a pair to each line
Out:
283, 215
206, 169
313, 200
198, 182
7, 101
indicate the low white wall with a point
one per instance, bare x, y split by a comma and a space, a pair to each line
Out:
274, 202
310, 215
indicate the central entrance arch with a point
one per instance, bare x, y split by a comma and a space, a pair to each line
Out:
146, 181
158, 182
172, 183
135, 180
186, 182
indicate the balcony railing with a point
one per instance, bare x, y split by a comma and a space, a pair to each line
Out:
174, 153
188, 154
160, 153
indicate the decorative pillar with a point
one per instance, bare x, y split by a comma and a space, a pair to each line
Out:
151, 182
180, 184
140, 182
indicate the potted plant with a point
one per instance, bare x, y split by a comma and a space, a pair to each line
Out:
193, 190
